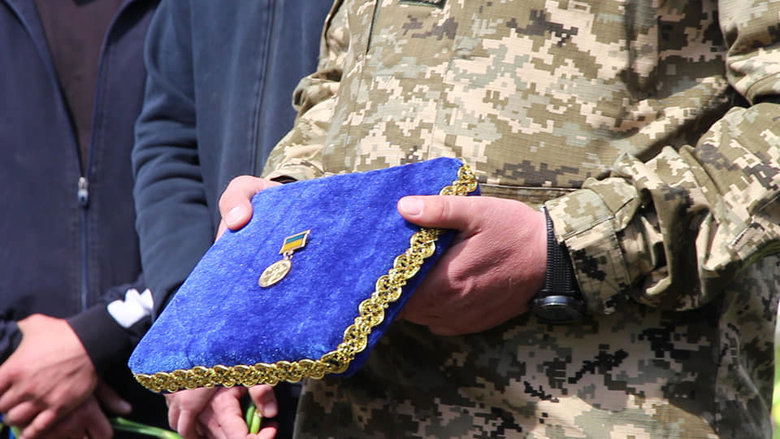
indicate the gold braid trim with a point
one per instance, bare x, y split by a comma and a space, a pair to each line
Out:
371, 313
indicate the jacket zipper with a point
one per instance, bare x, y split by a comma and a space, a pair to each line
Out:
42, 47
82, 194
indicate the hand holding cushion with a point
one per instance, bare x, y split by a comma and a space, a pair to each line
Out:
495, 265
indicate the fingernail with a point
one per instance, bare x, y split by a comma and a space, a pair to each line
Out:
124, 407
270, 409
411, 206
234, 215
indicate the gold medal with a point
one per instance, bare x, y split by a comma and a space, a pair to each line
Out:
279, 269
274, 273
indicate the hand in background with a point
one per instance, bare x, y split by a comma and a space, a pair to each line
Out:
88, 419
47, 377
217, 412
495, 266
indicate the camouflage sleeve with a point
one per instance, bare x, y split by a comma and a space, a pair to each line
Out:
670, 231
299, 154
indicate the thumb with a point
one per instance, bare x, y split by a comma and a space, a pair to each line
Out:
440, 211
264, 398
235, 203
111, 401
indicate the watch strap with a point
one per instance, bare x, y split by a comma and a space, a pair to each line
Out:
560, 300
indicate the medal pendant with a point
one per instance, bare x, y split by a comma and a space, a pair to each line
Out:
279, 269
274, 273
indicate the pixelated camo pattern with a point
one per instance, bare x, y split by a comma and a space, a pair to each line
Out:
638, 124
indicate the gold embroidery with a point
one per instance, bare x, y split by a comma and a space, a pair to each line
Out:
371, 313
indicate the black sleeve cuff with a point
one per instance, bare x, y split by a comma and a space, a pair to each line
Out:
10, 337
105, 341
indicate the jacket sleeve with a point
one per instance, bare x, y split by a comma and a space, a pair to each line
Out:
108, 330
111, 328
173, 221
671, 230
9, 338
299, 154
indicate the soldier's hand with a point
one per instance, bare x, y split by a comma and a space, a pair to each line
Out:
235, 204
495, 266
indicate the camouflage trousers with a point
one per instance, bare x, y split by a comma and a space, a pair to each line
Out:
639, 373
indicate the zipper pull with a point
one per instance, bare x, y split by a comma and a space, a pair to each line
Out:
83, 192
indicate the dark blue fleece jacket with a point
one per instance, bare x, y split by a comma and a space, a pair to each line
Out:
67, 238
218, 97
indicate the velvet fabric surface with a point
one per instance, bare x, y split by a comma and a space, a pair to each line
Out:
221, 316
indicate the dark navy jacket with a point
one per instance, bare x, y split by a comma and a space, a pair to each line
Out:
218, 97
67, 236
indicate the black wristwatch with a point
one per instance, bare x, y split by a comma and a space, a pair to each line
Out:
560, 301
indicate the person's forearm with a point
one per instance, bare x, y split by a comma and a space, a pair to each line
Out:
298, 156
672, 231
111, 328
173, 221
102, 337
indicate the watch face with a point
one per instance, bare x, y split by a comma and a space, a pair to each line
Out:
558, 309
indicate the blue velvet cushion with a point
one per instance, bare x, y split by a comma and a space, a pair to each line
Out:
223, 328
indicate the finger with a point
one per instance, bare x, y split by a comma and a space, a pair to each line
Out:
86, 420
42, 422
209, 425
267, 432
232, 424
438, 286
111, 401
264, 398
187, 425
97, 423
5, 382
444, 212
173, 411
226, 407
68, 427
235, 203
9, 399
21, 414
184, 408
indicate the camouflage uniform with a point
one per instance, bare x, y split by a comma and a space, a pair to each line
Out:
640, 125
